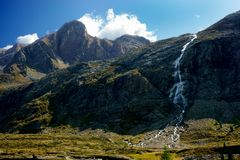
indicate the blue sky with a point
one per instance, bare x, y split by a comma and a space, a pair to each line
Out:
166, 18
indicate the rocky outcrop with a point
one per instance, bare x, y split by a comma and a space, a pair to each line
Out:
214, 70
7, 55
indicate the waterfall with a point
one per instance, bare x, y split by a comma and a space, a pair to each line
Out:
179, 101
176, 93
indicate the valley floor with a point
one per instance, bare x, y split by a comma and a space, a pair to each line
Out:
201, 139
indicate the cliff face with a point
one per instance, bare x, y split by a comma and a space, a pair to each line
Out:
213, 66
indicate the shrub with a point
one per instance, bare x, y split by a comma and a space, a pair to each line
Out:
166, 155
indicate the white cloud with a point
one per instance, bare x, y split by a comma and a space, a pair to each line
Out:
93, 25
114, 26
198, 16
7, 47
110, 14
27, 39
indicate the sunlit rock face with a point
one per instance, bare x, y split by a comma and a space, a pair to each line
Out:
69, 45
6, 55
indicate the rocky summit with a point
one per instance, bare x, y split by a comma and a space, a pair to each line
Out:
69, 45
124, 86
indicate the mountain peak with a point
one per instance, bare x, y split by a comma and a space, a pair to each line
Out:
228, 23
132, 40
69, 45
73, 26
127, 37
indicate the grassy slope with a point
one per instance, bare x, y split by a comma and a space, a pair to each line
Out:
201, 137
59, 145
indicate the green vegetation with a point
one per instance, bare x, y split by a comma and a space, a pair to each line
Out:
166, 155
202, 137
66, 142
236, 123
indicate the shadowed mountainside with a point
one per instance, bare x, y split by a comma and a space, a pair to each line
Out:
130, 94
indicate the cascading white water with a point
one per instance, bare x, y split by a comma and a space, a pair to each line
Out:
176, 93
179, 100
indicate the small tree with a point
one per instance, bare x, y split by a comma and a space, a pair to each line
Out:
230, 156
222, 157
166, 155
220, 124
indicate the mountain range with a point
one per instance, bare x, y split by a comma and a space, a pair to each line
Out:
69, 45
123, 85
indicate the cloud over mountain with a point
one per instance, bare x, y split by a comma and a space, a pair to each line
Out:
8, 47
27, 39
116, 25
